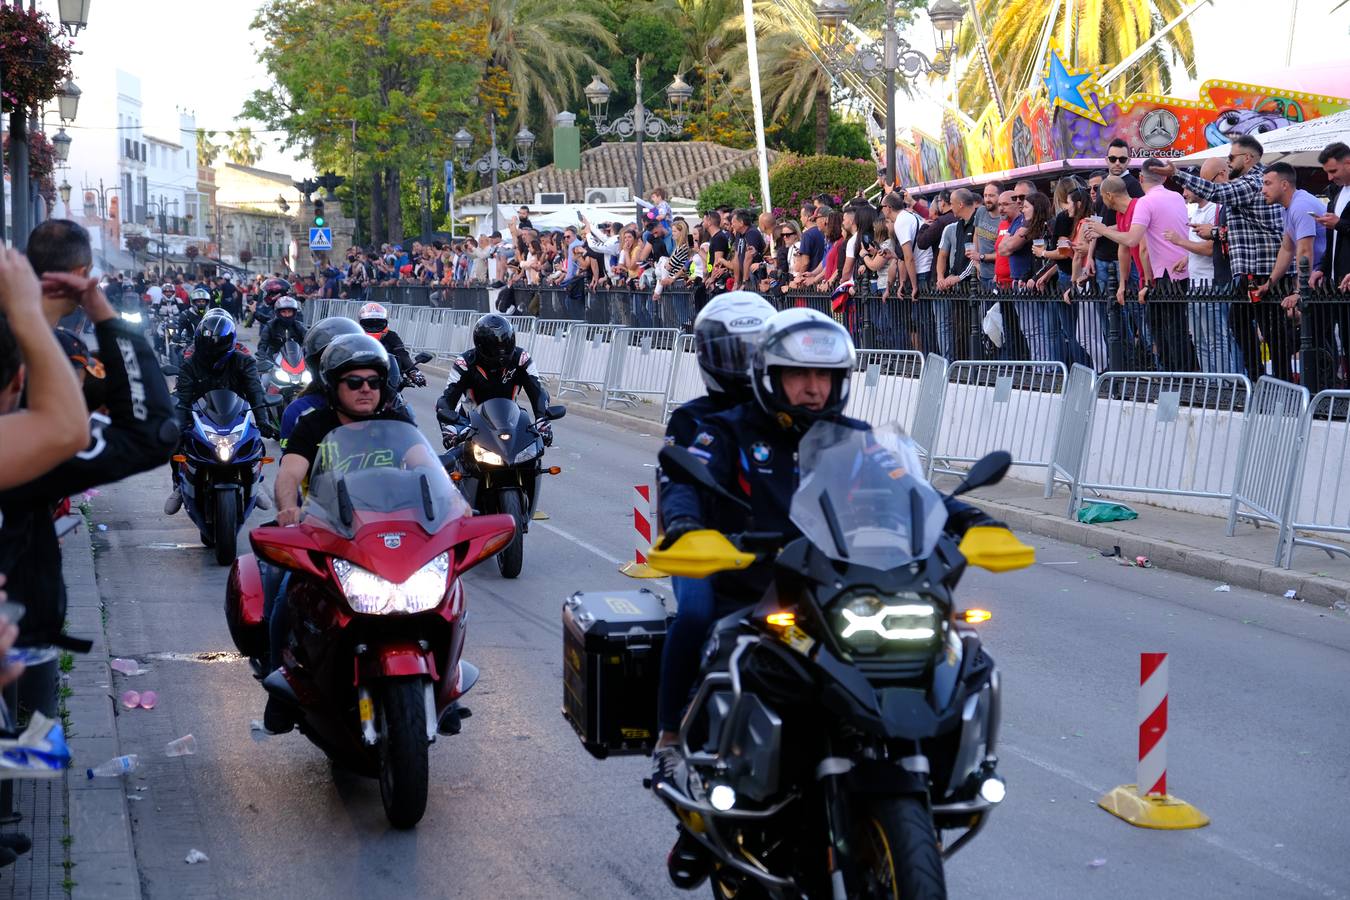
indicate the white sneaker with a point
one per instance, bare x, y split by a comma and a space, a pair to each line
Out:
264, 502
174, 503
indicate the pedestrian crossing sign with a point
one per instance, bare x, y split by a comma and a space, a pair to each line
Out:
321, 238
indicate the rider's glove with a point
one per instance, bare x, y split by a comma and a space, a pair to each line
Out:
417, 378
677, 529
546, 432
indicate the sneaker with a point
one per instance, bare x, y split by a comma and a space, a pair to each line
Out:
174, 503
264, 502
16, 841
668, 766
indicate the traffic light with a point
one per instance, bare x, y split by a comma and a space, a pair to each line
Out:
318, 213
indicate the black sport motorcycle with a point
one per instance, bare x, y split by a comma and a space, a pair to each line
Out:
844, 723
497, 458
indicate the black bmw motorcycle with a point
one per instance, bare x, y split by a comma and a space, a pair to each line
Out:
847, 721
497, 459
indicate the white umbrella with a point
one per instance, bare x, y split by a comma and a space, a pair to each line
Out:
1296, 144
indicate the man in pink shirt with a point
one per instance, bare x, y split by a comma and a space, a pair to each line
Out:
1151, 217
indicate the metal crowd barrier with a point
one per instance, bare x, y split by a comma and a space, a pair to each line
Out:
1161, 433
1009, 406
885, 387
640, 360
928, 410
1071, 434
1268, 455
1319, 499
686, 379
586, 360
548, 346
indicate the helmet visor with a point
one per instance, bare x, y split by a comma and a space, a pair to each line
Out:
726, 354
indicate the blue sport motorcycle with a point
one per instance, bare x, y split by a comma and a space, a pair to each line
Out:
220, 468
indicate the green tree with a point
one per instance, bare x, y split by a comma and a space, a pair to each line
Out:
373, 88
243, 150
207, 148
1106, 31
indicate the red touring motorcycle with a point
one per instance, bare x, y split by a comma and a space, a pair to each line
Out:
377, 611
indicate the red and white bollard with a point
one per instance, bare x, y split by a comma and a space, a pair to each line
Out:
1146, 803
1152, 771
642, 528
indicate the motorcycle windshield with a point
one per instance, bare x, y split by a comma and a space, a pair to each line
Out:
863, 498
292, 357
379, 471
500, 414
221, 407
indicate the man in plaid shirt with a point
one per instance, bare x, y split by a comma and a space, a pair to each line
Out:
1255, 228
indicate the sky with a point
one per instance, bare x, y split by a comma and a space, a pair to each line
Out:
199, 54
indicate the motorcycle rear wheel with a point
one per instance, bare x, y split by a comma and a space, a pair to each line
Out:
227, 527
403, 751
512, 558
898, 853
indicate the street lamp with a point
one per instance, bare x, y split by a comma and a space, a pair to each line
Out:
494, 162
840, 55
61, 146
68, 101
64, 190
636, 123
74, 15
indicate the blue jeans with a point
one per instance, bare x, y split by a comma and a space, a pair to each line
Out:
1213, 335
696, 610
1134, 332
1034, 317
275, 581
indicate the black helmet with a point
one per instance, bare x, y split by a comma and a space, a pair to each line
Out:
215, 337
354, 351
322, 334
495, 339
275, 287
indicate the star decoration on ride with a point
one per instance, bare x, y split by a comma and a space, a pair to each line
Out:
1073, 89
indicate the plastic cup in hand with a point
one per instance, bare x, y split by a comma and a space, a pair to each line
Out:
183, 746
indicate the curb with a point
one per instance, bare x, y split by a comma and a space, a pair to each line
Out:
101, 848
1206, 564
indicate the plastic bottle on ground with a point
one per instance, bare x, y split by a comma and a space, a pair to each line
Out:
118, 765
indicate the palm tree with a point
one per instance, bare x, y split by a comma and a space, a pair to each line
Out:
1107, 32
207, 148
540, 47
791, 81
244, 148
707, 37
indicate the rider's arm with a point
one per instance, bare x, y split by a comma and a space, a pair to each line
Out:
527, 378
963, 516
715, 448
394, 344
455, 385
290, 476
253, 392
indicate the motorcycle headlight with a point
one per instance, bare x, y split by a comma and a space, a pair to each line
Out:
489, 457
370, 594
132, 317
305, 377
281, 375
224, 444
527, 454
869, 622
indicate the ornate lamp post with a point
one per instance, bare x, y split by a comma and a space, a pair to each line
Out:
636, 123
494, 162
897, 55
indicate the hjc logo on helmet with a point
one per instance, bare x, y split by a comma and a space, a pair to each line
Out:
746, 322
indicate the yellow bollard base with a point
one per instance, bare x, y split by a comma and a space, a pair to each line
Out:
1157, 811
540, 516
640, 570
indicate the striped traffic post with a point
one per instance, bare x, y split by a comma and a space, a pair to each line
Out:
642, 529
1146, 803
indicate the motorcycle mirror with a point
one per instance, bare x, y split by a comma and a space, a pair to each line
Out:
682, 466
423, 357
169, 370
990, 469
556, 411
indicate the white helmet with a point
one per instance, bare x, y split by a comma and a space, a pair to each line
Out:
801, 339
287, 302
725, 334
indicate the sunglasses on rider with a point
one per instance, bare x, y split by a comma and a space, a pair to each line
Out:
1119, 159
354, 382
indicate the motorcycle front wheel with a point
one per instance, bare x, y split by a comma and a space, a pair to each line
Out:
512, 558
227, 527
898, 854
403, 751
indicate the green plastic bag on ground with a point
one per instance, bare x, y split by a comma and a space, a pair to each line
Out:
1095, 511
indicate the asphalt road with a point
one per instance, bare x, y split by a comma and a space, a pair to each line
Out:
1260, 689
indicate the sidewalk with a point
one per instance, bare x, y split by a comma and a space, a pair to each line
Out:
1182, 542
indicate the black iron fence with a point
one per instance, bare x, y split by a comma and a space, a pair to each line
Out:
1171, 329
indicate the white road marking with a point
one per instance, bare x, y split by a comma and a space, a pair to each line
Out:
567, 536
1206, 835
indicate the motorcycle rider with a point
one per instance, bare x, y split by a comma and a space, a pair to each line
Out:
190, 318
725, 333
314, 396
215, 361
264, 306
374, 320
354, 371
800, 373
285, 326
494, 368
